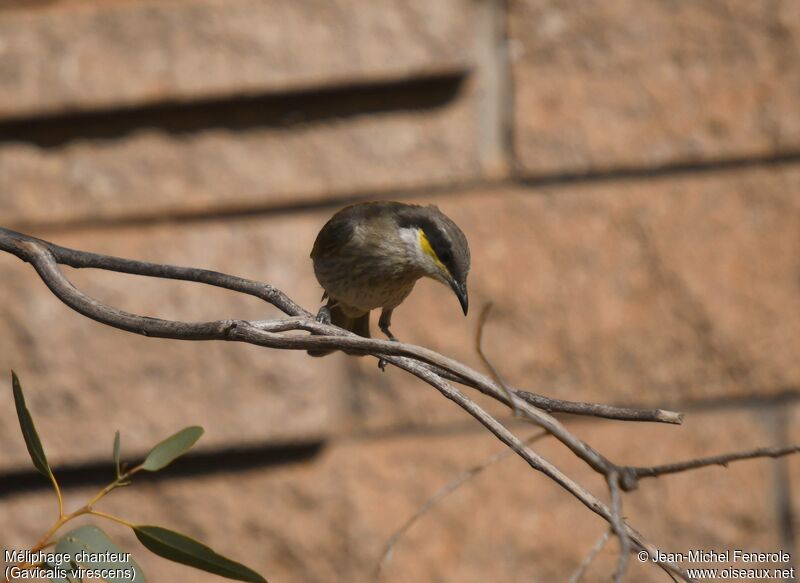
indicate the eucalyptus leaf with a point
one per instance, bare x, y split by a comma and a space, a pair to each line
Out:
187, 551
32, 441
171, 448
116, 455
88, 541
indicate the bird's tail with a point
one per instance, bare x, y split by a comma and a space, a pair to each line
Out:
359, 325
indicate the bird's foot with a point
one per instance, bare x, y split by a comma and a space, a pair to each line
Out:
324, 315
381, 361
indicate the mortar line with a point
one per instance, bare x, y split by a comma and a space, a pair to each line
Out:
452, 188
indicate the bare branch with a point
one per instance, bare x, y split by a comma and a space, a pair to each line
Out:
552, 405
560, 406
440, 495
589, 559
618, 524
512, 398
717, 460
602, 411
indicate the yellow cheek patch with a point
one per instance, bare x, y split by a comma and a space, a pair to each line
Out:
425, 245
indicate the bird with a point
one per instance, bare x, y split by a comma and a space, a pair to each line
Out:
369, 255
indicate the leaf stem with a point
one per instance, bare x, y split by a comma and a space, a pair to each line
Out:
115, 484
112, 518
58, 495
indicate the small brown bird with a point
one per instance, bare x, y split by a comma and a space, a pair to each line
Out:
370, 255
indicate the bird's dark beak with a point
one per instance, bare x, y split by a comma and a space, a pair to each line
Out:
461, 292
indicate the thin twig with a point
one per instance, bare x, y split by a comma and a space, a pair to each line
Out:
618, 525
512, 399
440, 495
589, 559
552, 405
717, 460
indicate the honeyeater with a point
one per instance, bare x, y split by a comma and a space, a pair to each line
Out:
369, 255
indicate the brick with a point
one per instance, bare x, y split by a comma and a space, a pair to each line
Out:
599, 90
80, 56
153, 171
330, 518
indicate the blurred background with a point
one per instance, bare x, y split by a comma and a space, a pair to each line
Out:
627, 174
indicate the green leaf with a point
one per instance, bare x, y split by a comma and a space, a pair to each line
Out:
32, 441
187, 551
171, 448
116, 455
96, 551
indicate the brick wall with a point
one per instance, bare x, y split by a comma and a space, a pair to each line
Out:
628, 175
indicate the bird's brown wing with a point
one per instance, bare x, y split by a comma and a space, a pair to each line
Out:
339, 230
335, 234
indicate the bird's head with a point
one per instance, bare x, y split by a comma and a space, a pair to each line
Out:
439, 248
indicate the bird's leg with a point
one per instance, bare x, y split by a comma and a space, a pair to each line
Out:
383, 323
